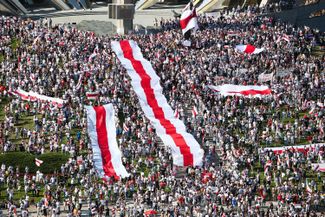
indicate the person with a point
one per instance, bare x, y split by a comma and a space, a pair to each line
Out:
55, 62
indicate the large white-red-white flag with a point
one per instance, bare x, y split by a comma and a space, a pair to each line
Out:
107, 156
189, 20
250, 49
241, 90
33, 96
20, 93
297, 148
186, 151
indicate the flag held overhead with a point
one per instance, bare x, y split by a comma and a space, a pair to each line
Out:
186, 151
189, 21
249, 49
107, 156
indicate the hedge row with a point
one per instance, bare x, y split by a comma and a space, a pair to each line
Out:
51, 161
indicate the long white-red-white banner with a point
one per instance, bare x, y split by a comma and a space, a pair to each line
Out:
297, 148
33, 96
186, 151
107, 156
241, 90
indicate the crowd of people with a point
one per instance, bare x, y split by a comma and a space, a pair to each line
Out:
57, 61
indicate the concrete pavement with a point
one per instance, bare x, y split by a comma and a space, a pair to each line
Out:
100, 13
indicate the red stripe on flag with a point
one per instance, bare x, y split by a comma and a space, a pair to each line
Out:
252, 92
249, 48
152, 102
186, 20
92, 94
101, 129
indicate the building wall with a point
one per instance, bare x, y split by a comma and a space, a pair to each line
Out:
300, 16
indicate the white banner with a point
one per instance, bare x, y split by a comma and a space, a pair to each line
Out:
107, 156
33, 96
186, 151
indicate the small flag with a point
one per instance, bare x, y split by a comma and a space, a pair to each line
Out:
311, 111
79, 160
176, 113
278, 162
92, 95
194, 112
91, 57
308, 189
125, 127
38, 162
319, 104
79, 81
283, 37
267, 165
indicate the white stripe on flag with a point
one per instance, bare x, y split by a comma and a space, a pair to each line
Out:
185, 149
102, 133
241, 90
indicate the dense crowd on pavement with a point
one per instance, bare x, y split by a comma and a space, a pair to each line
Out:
53, 60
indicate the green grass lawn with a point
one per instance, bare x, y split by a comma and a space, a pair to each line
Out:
2, 58
20, 194
15, 43
3, 103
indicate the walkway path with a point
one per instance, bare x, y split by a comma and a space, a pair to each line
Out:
144, 18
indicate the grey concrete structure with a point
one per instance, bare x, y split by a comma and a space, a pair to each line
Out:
6, 8
12, 7
60, 4
302, 15
122, 12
